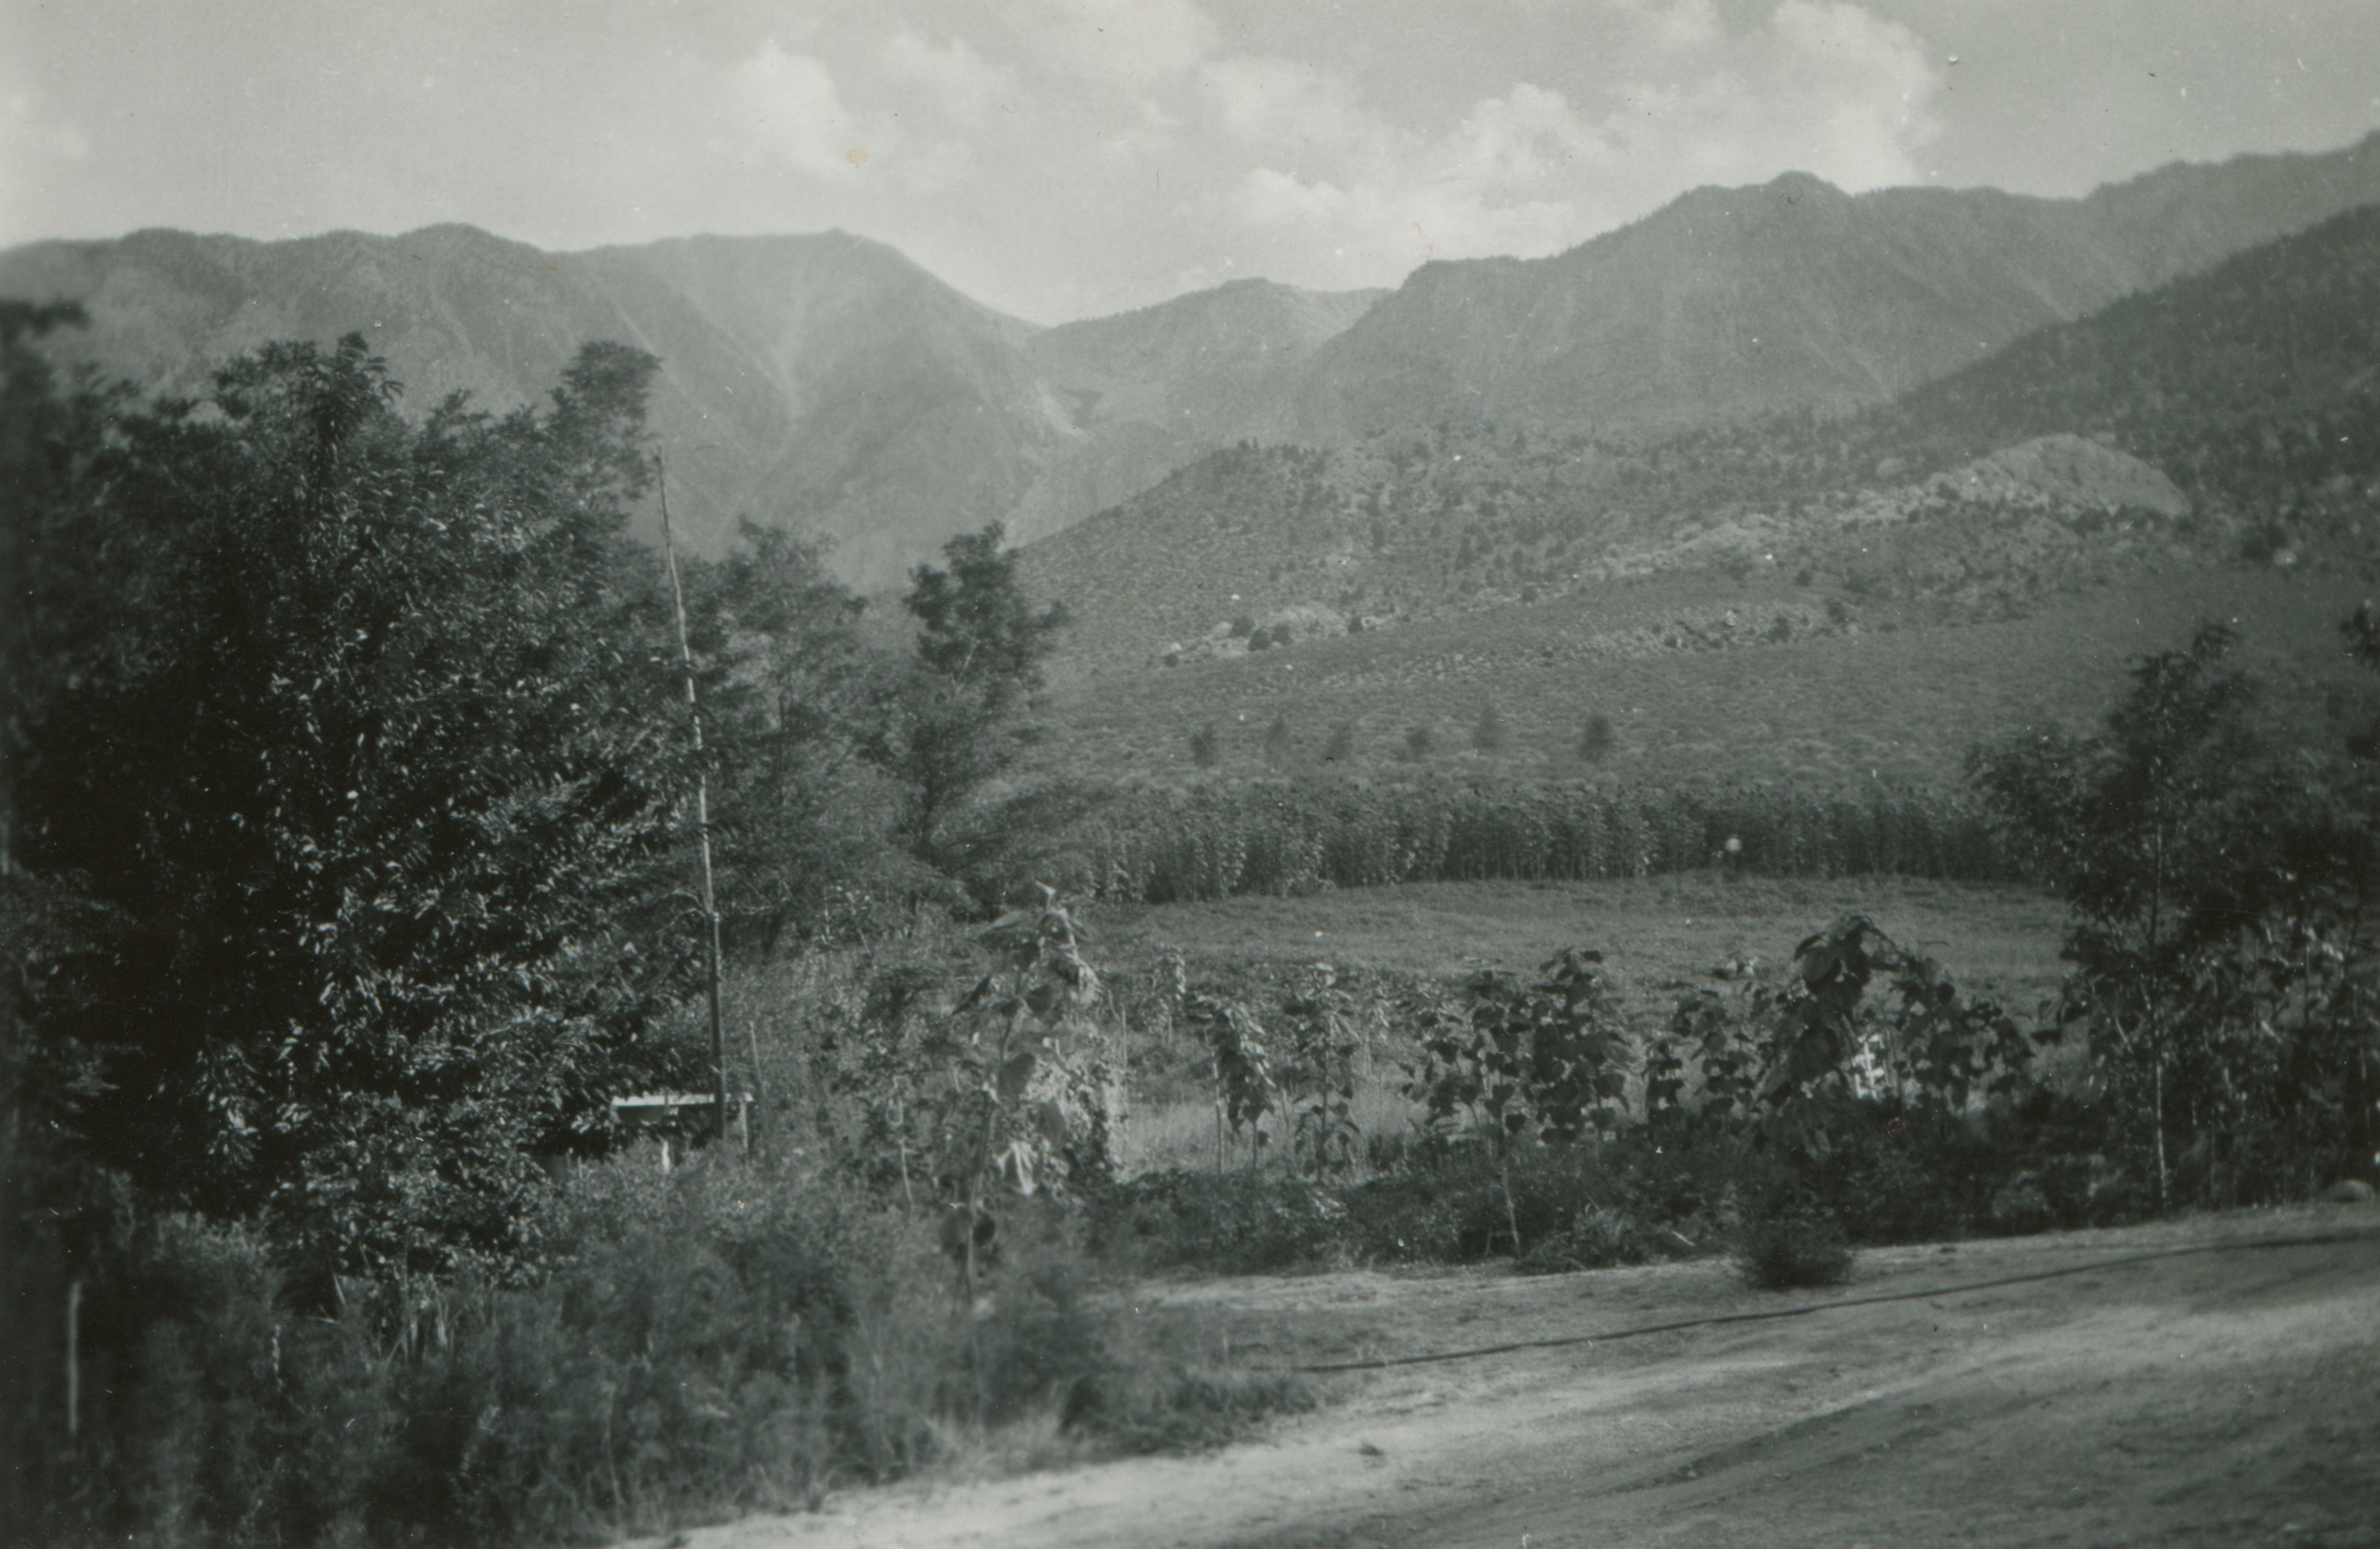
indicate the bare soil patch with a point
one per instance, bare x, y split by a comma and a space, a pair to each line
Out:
2226, 1398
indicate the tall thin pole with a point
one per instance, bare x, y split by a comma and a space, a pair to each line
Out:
702, 810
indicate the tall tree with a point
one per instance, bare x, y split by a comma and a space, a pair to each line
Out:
374, 786
798, 814
2224, 955
952, 718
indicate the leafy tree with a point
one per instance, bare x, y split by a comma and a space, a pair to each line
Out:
1544, 1061
357, 743
2223, 959
1277, 742
62, 589
786, 690
1323, 1038
1246, 1088
1016, 1100
949, 722
975, 624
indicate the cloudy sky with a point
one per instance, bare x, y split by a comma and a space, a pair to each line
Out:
1059, 158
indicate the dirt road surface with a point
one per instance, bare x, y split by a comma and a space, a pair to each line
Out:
2223, 1399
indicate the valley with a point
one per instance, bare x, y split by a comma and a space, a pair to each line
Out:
1809, 740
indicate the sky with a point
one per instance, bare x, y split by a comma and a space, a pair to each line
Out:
1066, 158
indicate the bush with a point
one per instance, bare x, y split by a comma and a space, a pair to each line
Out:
1596, 1238
1793, 1250
1227, 1223
723, 1338
1490, 734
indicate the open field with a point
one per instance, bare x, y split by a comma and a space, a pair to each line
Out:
2218, 1398
1656, 933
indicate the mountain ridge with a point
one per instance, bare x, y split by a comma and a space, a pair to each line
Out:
826, 382
1727, 303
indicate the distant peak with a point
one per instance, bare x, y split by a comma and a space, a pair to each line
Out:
1794, 182
442, 229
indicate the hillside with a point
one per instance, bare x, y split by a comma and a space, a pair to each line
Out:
834, 387
2223, 414
1151, 390
823, 383
1732, 303
1705, 680
1798, 598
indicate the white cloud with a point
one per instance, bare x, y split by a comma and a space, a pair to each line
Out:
953, 80
790, 106
1280, 105
1133, 43
1818, 85
1673, 25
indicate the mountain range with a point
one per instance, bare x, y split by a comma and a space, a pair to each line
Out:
826, 384
2223, 414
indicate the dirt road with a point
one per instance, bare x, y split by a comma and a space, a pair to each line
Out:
2221, 1398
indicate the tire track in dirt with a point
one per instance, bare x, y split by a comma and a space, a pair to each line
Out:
2211, 1411
2224, 1398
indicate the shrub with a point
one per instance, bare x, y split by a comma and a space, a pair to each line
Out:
1277, 742
1596, 1238
1793, 1250
1596, 740
1490, 734
721, 1338
1227, 1223
1206, 745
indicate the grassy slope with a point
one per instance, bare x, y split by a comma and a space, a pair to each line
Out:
2252, 385
1899, 699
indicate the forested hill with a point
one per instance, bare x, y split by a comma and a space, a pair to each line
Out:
2236, 407
2252, 385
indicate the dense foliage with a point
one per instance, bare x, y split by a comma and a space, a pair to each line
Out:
2226, 965
340, 729
348, 876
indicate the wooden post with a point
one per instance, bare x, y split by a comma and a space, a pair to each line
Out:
702, 809
74, 1359
759, 1093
